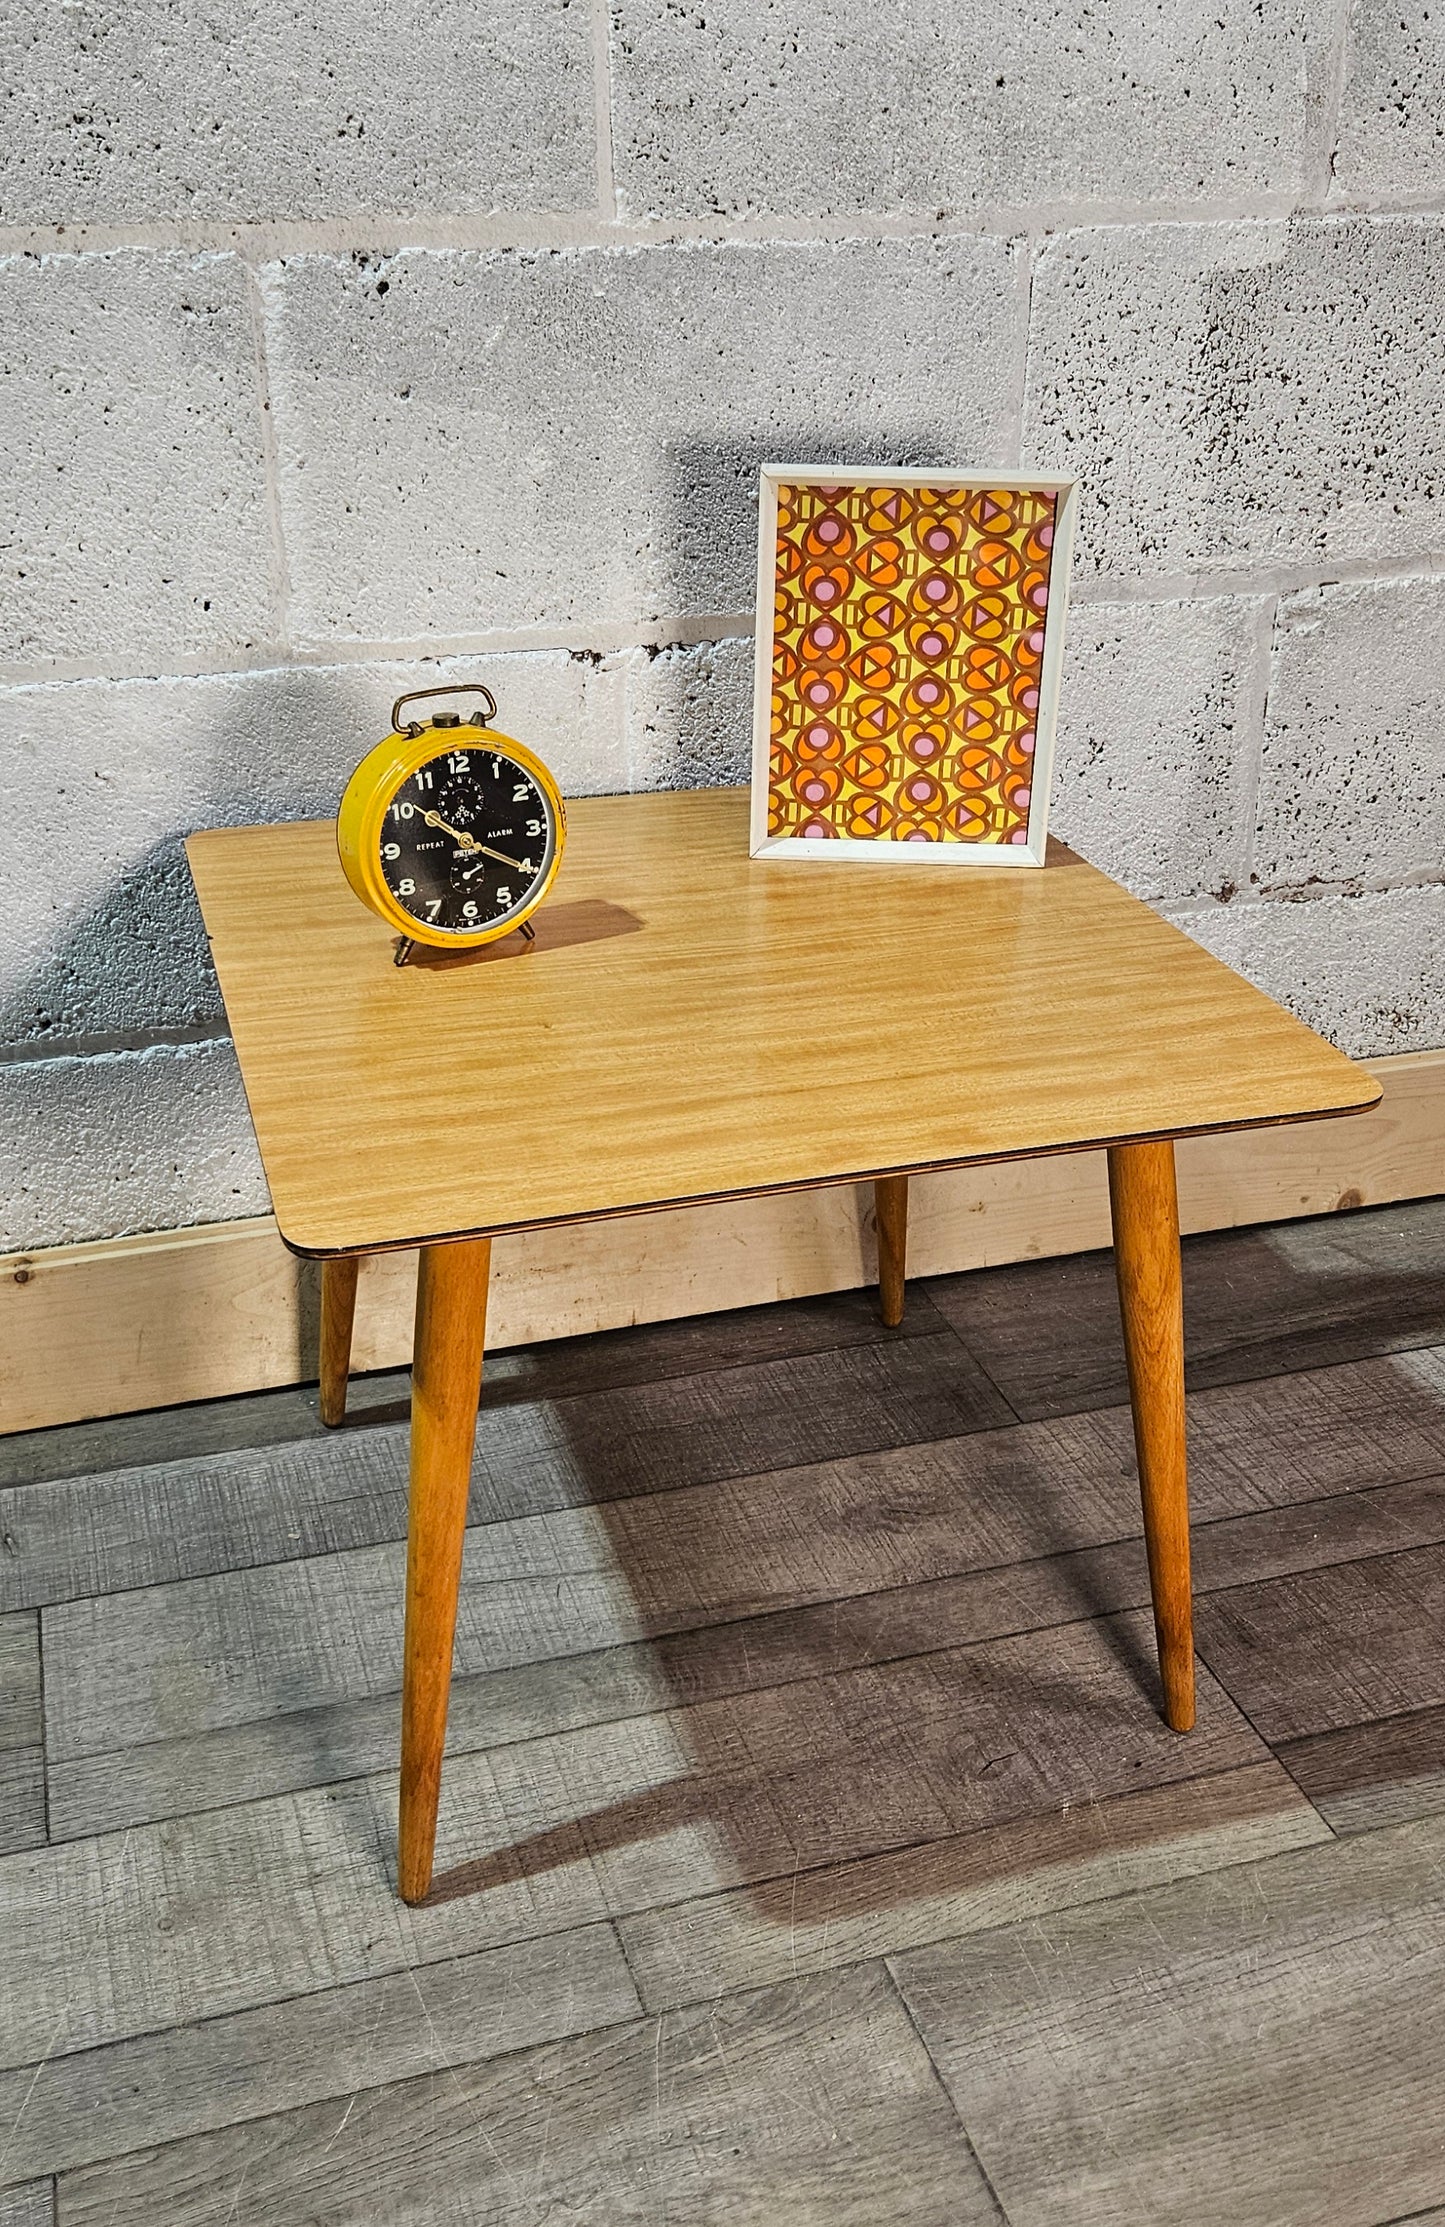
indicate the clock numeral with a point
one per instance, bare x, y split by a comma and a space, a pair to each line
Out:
402, 811
534, 827
422, 778
391, 850
469, 909
406, 889
521, 792
528, 867
434, 906
458, 765
504, 896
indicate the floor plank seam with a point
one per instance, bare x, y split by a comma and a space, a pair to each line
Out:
761, 1477
747, 1615
943, 2088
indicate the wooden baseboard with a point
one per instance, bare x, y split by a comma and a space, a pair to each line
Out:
196, 1314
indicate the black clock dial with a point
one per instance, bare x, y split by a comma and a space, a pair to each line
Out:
467, 840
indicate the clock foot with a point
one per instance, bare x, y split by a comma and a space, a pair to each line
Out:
404, 951
528, 932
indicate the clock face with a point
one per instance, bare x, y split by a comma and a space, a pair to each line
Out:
467, 840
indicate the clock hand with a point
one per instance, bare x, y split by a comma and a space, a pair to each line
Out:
516, 864
468, 842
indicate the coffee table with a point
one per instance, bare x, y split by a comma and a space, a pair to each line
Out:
692, 1024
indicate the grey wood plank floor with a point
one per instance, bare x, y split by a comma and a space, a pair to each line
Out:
811, 1847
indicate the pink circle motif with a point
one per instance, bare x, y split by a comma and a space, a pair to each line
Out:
938, 539
918, 835
935, 588
1019, 835
1046, 536
814, 792
818, 735
1036, 641
1039, 596
1026, 742
920, 791
929, 692
1021, 799
825, 634
932, 645
925, 747
830, 529
819, 692
825, 591
1031, 699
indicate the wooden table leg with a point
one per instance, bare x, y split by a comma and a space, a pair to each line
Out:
451, 1324
890, 1212
1145, 1208
338, 1312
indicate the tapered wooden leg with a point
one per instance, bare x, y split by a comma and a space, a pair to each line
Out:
451, 1321
1146, 1258
890, 1212
338, 1312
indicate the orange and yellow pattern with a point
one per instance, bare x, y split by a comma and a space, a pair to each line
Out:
908, 642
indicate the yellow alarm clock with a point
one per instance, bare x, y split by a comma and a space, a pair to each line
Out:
449, 830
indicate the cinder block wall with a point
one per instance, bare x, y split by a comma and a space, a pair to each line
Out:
339, 339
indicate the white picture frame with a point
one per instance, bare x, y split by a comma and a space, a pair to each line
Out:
885, 848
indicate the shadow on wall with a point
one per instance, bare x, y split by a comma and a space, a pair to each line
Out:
711, 521
130, 782
132, 961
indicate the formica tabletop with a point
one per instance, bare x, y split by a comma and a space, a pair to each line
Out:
691, 1023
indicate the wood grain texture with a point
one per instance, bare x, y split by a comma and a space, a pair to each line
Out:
734, 991
161, 2087
193, 1315
1145, 1210
132, 1933
19, 1681
1257, 1304
338, 1313
153, 1663
604, 1361
346, 1738
1368, 1775
30, 2206
809, 2105
222, 1911
1329, 1648
22, 1799
22, 1760
144, 1525
451, 1329
688, 1952
890, 1213
1236, 2050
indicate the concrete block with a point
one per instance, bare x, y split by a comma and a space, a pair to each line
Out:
1368, 972
310, 108
757, 107
135, 525
1233, 396
572, 439
128, 1141
105, 935
690, 715
1352, 773
1156, 743
1390, 142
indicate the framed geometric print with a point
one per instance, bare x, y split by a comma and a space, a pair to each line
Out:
909, 642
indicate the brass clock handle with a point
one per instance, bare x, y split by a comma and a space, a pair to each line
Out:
457, 688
